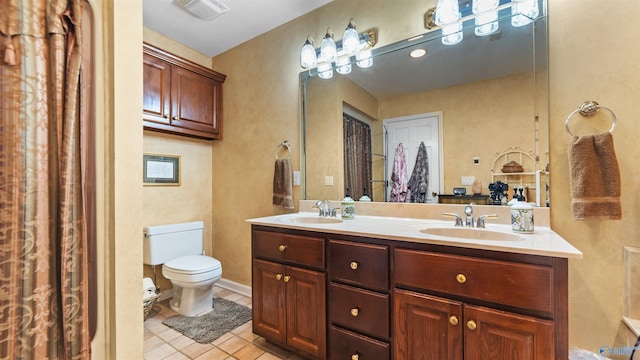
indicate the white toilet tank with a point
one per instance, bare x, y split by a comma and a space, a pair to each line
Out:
167, 242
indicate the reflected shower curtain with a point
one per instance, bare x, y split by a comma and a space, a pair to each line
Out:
43, 200
357, 156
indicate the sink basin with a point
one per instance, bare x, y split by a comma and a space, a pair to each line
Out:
471, 233
313, 220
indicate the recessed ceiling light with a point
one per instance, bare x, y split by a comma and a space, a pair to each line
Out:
418, 53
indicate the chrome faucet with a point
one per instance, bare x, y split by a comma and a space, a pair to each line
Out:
481, 218
323, 207
468, 218
458, 219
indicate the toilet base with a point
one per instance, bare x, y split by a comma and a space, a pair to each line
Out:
192, 301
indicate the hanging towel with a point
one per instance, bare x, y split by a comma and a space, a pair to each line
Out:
419, 181
399, 176
595, 178
283, 184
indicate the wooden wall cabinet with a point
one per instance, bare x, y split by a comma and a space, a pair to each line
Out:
181, 97
289, 291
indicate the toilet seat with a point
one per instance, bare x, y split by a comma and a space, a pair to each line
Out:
192, 268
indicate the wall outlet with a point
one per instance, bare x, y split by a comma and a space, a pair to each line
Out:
328, 180
467, 180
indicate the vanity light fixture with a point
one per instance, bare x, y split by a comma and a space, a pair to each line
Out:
484, 13
448, 16
338, 55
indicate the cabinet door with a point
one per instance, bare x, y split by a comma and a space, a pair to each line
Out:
426, 327
196, 100
157, 84
268, 292
494, 335
306, 315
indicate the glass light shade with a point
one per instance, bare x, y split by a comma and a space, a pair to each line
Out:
308, 58
325, 71
328, 50
481, 6
524, 12
364, 59
447, 12
452, 34
343, 65
350, 40
486, 24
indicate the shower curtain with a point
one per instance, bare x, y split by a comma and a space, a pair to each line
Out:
45, 179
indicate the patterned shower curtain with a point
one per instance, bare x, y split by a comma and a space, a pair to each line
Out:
357, 156
44, 170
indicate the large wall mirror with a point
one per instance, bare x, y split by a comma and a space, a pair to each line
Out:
480, 98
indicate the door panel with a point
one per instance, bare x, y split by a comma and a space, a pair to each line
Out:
269, 314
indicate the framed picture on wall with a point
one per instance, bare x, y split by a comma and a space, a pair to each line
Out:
159, 169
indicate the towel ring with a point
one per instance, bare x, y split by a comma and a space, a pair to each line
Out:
284, 144
590, 108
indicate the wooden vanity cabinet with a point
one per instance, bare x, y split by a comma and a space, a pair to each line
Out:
181, 97
460, 306
289, 291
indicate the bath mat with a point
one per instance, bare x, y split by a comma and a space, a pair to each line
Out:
226, 316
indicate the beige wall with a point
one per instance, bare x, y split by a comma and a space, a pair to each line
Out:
587, 62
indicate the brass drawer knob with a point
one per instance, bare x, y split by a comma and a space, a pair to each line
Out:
282, 248
353, 265
166, 116
453, 320
471, 325
287, 278
355, 311
175, 118
278, 277
355, 357
461, 278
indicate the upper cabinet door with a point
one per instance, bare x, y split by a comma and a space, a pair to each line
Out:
196, 101
156, 85
181, 97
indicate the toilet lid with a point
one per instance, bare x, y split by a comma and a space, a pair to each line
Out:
193, 264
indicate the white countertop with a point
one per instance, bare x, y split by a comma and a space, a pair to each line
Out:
543, 241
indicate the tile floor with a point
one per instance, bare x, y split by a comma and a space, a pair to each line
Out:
162, 342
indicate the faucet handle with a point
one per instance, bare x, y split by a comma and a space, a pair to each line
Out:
481, 218
458, 219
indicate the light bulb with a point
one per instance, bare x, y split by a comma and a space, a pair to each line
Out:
328, 50
308, 57
350, 39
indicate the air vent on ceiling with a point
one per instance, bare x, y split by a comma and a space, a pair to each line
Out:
203, 9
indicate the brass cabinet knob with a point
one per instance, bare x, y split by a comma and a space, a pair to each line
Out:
175, 118
278, 277
166, 116
461, 278
355, 311
471, 325
287, 278
453, 320
353, 265
355, 357
282, 248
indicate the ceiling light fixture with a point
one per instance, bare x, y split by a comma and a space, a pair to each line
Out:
338, 54
418, 53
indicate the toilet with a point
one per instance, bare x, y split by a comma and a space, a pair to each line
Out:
178, 247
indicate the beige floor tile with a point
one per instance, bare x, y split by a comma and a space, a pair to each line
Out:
160, 352
234, 344
213, 354
153, 343
222, 339
196, 349
181, 342
177, 356
220, 292
169, 334
233, 296
249, 352
268, 356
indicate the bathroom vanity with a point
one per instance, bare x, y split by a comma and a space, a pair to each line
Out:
403, 288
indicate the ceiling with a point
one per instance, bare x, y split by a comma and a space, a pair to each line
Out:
245, 20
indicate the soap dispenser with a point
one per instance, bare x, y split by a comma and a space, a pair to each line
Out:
364, 196
347, 207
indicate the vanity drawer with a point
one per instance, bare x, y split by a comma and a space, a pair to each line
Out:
363, 265
359, 309
289, 248
515, 284
344, 344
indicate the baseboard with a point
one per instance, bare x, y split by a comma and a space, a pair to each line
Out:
234, 286
165, 294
